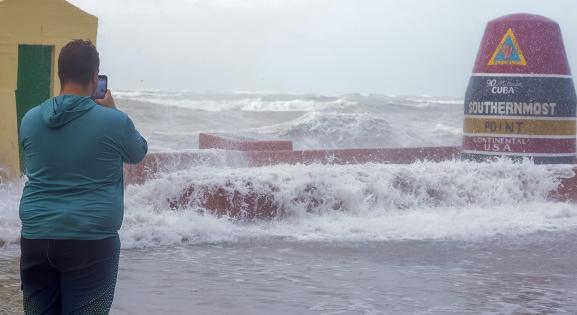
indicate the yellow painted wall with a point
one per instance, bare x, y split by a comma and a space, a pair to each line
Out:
32, 22
9, 158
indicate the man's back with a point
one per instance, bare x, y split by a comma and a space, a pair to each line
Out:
72, 205
74, 150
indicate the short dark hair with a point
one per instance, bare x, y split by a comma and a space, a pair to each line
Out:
78, 62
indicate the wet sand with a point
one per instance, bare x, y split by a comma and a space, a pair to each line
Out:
533, 274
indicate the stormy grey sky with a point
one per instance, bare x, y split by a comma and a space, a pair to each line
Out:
409, 47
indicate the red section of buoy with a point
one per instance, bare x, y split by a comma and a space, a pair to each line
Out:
521, 146
522, 43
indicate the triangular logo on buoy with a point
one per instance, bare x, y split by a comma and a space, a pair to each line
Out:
508, 52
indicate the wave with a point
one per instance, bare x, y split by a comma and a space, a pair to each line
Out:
450, 200
245, 101
172, 121
330, 130
237, 102
339, 130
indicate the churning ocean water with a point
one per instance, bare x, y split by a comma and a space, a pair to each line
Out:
455, 238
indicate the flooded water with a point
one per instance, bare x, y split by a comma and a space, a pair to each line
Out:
534, 274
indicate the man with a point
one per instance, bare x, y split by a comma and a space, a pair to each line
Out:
72, 205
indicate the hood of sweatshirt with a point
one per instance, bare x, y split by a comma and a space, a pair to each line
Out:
61, 110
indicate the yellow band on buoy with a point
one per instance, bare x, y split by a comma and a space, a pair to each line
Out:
520, 126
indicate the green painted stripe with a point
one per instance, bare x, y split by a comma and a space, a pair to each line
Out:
34, 80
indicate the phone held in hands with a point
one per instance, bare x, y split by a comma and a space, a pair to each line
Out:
101, 88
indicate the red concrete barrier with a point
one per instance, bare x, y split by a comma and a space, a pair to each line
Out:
249, 204
223, 202
230, 142
354, 156
156, 163
567, 190
252, 205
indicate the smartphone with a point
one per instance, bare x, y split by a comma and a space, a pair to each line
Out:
101, 88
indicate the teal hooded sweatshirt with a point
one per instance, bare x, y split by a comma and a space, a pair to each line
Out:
74, 151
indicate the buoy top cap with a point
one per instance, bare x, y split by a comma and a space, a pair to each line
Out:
523, 17
522, 44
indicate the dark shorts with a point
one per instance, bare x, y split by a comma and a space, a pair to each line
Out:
69, 276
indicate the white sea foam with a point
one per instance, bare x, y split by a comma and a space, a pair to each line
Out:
9, 220
450, 200
343, 130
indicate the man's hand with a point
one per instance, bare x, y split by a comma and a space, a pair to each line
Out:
107, 101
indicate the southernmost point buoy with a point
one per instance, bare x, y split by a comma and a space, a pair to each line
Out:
521, 99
